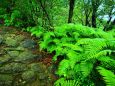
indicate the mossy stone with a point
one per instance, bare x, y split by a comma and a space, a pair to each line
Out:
28, 75
13, 53
11, 42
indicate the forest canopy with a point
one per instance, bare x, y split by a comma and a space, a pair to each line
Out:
46, 13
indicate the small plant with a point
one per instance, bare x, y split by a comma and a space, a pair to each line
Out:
36, 31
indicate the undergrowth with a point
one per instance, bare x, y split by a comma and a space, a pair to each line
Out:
88, 54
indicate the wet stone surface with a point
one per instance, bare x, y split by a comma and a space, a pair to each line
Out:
18, 63
28, 43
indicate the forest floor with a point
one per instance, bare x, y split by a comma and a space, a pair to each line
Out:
21, 61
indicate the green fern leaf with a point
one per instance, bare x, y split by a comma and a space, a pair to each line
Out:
86, 68
64, 82
63, 67
109, 77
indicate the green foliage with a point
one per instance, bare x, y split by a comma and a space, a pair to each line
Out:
30, 11
83, 49
27, 13
36, 31
2, 11
108, 76
14, 19
63, 82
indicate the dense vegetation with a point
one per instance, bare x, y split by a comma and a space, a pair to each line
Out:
76, 32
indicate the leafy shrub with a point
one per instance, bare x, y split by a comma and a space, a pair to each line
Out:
13, 20
88, 54
2, 11
21, 13
30, 12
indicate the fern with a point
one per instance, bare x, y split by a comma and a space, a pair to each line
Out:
83, 49
63, 82
109, 77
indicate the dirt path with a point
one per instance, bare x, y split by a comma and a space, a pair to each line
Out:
21, 62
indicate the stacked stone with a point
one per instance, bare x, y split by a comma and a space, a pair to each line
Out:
18, 66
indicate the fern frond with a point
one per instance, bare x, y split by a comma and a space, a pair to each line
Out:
103, 53
74, 58
37, 31
86, 68
63, 67
109, 62
108, 76
105, 35
64, 82
73, 47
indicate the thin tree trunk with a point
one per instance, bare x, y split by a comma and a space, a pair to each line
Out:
71, 8
94, 10
94, 19
86, 20
95, 5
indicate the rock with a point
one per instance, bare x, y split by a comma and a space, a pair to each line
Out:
35, 67
1, 39
6, 77
11, 42
13, 68
13, 53
6, 80
19, 38
38, 67
25, 56
20, 48
43, 76
2, 52
9, 35
5, 59
28, 76
38, 57
28, 43
15, 49
42, 84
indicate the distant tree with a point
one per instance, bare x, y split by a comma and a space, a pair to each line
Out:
71, 8
109, 6
95, 6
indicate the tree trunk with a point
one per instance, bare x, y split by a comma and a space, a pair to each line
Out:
71, 8
86, 20
95, 5
94, 10
94, 19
